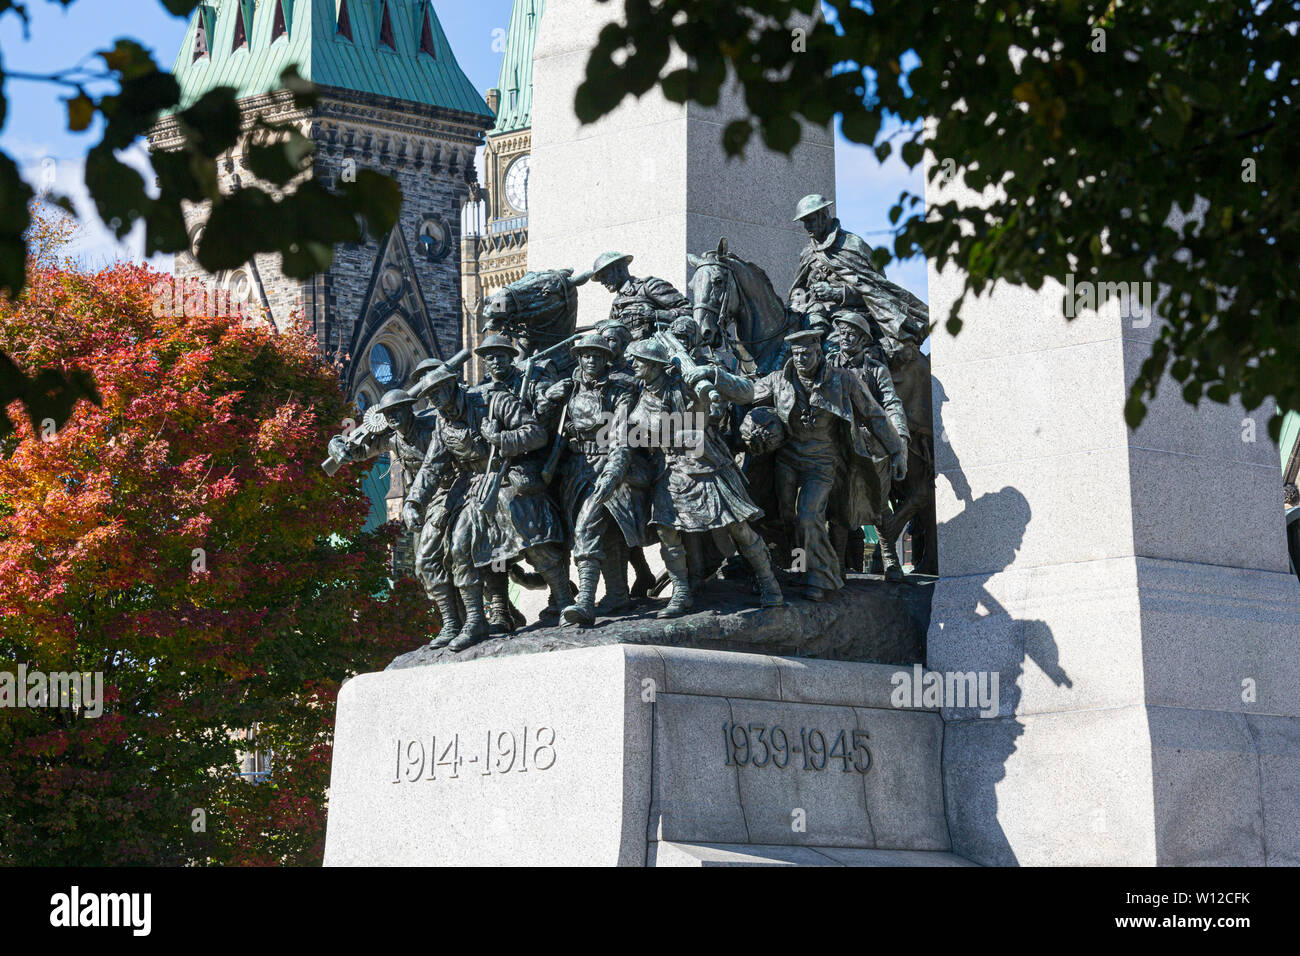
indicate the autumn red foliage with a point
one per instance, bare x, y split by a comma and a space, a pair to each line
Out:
183, 541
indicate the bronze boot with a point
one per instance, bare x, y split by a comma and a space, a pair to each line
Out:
760, 561
497, 586
682, 600
582, 611
889, 556
475, 627
557, 581
645, 579
444, 596
614, 570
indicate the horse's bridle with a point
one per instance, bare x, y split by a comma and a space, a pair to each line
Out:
721, 311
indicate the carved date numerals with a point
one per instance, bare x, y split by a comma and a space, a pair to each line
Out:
763, 745
503, 751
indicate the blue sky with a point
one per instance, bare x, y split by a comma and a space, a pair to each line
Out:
35, 131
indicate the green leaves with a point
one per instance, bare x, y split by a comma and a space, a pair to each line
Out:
48, 394
1080, 142
273, 207
81, 110
180, 8
15, 194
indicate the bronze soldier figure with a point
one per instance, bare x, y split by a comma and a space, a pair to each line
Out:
836, 272
857, 353
603, 522
838, 443
697, 487
496, 505
500, 357
619, 337
394, 425
641, 304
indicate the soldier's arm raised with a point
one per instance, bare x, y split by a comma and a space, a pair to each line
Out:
732, 387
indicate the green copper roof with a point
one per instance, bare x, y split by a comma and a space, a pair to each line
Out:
516, 84
312, 42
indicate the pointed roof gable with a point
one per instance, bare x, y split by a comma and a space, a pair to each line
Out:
516, 82
315, 45
202, 33
382, 306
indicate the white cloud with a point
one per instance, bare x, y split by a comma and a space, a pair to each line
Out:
94, 246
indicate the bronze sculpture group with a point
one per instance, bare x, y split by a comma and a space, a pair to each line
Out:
738, 432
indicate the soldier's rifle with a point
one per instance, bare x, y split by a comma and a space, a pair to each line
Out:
557, 448
683, 359
374, 425
492, 488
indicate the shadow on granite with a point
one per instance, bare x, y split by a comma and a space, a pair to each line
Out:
870, 620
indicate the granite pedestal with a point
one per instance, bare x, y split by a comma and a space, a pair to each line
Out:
635, 755
1129, 587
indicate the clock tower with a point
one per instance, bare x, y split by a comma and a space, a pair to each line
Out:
495, 244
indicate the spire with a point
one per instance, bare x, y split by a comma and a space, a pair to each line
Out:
516, 80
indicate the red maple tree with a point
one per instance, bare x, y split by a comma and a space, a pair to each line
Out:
183, 541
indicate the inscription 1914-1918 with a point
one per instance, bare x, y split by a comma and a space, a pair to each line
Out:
504, 751
742, 743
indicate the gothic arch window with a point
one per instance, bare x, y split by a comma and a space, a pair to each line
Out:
383, 365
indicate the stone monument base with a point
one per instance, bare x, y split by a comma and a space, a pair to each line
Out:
635, 755
870, 619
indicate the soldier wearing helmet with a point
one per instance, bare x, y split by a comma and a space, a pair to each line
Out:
475, 429
697, 489
836, 273
641, 304
593, 406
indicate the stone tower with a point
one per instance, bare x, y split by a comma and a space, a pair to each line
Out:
393, 99
495, 246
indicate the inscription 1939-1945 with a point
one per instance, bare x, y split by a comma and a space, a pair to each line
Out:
503, 751
763, 745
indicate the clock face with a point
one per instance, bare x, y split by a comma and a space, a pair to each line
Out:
517, 184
